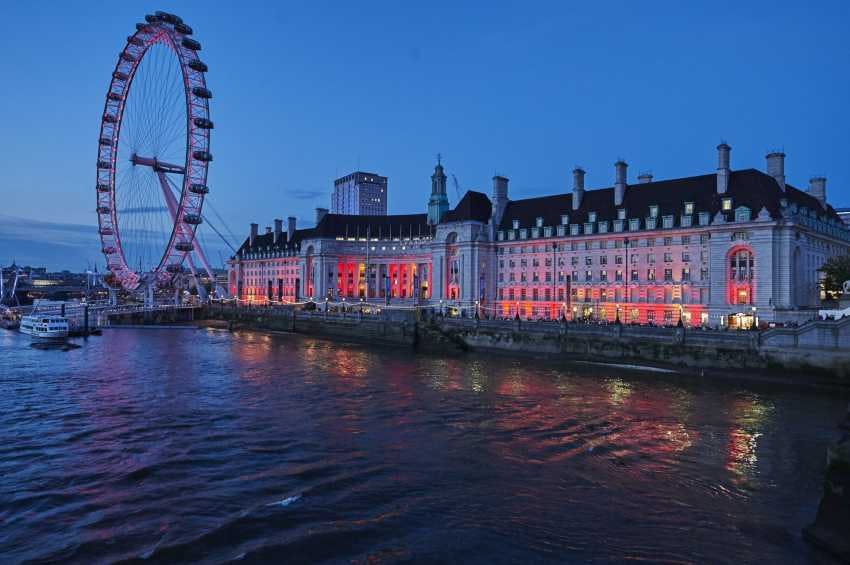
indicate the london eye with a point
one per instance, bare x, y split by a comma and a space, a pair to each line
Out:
154, 155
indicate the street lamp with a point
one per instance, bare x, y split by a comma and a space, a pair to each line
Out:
755, 318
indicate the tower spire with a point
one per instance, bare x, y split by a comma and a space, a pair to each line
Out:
438, 204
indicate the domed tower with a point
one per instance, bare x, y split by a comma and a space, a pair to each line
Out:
438, 204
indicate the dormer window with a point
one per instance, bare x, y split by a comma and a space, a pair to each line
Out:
621, 214
565, 220
591, 217
547, 231
634, 224
689, 208
653, 211
703, 218
515, 224
726, 204
667, 221
538, 222
742, 214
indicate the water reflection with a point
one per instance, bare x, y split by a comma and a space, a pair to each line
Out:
178, 445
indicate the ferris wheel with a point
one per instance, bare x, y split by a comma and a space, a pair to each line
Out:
153, 155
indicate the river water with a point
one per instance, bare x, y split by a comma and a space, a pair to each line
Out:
186, 445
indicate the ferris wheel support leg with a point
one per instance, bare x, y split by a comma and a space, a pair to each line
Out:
172, 208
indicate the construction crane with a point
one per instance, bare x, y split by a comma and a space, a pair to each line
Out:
457, 187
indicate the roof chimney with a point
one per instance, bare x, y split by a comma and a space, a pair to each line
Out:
290, 228
578, 187
645, 177
723, 171
253, 239
278, 230
817, 188
320, 213
776, 167
268, 229
620, 183
500, 198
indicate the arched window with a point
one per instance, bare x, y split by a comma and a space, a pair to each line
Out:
741, 273
741, 266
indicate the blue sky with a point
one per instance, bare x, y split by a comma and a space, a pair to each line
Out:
306, 92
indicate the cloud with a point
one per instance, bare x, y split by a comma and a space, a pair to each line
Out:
74, 247
303, 194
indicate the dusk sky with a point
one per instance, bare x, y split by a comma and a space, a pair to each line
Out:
307, 92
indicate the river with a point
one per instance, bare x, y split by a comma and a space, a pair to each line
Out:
193, 445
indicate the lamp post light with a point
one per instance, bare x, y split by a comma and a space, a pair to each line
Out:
617, 321
477, 314
517, 311
755, 318
575, 312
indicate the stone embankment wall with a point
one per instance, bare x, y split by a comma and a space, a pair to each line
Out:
822, 347
819, 346
390, 327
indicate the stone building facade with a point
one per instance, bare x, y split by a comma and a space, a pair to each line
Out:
719, 249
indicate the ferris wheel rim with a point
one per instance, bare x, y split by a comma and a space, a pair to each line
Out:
169, 30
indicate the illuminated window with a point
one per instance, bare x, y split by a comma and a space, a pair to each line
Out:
653, 211
515, 224
621, 214
689, 208
591, 216
539, 222
726, 204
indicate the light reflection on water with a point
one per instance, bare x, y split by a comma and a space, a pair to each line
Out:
180, 446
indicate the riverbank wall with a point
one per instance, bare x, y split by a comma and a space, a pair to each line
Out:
818, 348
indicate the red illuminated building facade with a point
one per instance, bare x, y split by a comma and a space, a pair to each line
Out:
720, 249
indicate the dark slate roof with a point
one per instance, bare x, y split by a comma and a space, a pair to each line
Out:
397, 225
750, 187
265, 241
474, 206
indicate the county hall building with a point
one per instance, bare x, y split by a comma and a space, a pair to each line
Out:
718, 249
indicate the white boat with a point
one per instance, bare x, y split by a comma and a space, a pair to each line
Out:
45, 327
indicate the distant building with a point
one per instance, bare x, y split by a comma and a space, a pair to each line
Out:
362, 194
844, 214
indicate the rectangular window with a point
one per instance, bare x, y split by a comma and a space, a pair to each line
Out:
703, 218
650, 274
538, 222
618, 276
651, 223
603, 227
689, 208
603, 276
667, 222
668, 241
574, 229
591, 216
515, 224
668, 257
653, 211
686, 274
588, 228
650, 242
501, 235
547, 231
621, 213
686, 257
588, 260
634, 224
588, 276
668, 275
618, 225
562, 231
686, 240
634, 275
603, 260
565, 220
618, 259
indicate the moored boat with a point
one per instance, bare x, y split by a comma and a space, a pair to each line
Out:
45, 327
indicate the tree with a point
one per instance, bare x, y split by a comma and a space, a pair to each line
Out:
835, 271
